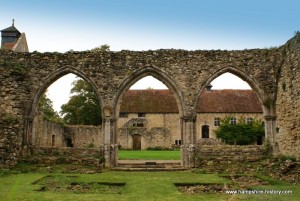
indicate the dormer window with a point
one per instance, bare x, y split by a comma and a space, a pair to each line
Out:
141, 114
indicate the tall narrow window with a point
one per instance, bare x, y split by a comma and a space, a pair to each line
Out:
141, 114
53, 140
177, 142
217, 121
233, 121
123, 115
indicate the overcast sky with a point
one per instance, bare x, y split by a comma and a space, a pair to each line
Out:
62, 25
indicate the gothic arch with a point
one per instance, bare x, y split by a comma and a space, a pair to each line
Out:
254, 84
31, 111
156, 73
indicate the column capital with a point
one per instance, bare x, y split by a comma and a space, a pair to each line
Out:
189, 118
110, 119
270, 117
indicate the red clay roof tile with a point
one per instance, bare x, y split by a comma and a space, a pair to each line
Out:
214, 101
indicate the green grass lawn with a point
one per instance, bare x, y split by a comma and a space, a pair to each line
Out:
148, 154
136, 186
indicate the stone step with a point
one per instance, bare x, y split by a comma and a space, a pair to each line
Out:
148, 169
149, 165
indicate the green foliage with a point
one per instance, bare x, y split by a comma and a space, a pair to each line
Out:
240, 134
46, 106
9, 119
286, 157
91, 145
83, 108
17, 70
102, 48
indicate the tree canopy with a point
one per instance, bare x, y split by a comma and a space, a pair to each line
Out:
102, 48
242, 133
83, 107
46, 106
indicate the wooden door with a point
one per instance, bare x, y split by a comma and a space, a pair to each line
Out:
136, 142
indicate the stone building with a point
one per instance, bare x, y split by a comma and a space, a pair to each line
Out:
13, 39
150, 118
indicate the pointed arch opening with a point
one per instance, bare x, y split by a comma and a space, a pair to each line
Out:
40, 127
151, 112
230, 94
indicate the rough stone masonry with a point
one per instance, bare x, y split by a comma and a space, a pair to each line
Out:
273, 73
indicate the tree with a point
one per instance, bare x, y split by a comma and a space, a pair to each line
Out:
242, 133
102, 48
83, 107
46, 106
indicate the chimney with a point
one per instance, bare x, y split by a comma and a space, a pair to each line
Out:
208, 87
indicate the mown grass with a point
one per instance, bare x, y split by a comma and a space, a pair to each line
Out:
148, 155
138, 186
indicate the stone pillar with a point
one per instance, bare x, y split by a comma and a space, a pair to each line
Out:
109, 148
27, 133
270, 131
187, 149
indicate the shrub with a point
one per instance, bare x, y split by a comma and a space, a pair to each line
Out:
240, 134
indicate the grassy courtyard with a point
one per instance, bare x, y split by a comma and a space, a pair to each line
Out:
64, 183
148, 155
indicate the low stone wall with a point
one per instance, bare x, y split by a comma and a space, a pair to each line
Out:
61, 155
213, 154
48, 133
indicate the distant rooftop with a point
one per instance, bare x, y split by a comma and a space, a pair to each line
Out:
214, 101
13, 39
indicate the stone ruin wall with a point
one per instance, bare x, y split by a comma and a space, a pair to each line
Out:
43, 131
82, 136
218, 154
288, 101
273, 74
86, 136
63, 155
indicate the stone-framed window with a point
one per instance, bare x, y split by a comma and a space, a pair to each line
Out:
177, 142
123, 115
233, 121
249, 120
216, 121
141, 114
139, 125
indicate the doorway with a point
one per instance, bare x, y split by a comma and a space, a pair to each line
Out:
136, 142
205, 131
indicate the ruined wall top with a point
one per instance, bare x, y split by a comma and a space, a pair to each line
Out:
186, 73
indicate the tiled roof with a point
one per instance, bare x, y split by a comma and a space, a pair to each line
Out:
229, 101
149, 101
215, 101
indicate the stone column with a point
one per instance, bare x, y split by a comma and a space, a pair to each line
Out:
109, 148
270, 130
187, 149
